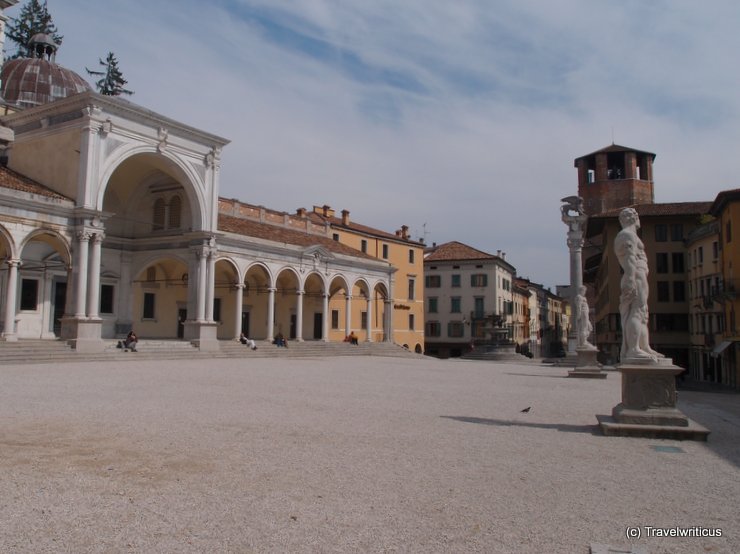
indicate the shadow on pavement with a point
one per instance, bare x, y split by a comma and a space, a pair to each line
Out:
562, 427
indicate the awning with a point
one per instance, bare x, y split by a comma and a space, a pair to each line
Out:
720, 348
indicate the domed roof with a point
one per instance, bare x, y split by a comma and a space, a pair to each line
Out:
28, 82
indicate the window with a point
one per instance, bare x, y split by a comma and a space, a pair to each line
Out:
663, 291
677, 262
661, 233
715, 250
455, 305
479, 307
175, 211
728, 232
661, 262
363, 320
701, 254
412, 286
455, 329
335, 237
363, 246
335, 319
433, 329
671, 322
679, 291
148, 306
677, 232
432, 305
411, 322
433, 281
385, 251
29, 294
151, 273
411, 255
479, 280
158, 215
106, 299
456, 280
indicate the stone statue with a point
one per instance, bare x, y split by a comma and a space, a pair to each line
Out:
574, 221
633, 300
583, 323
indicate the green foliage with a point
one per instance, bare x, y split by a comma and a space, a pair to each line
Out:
112, 81
33, 19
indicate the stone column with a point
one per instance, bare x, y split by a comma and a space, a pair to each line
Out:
83, 239
10, 301
201, 283
299, 315
211, 284
387, 316
370, 317
347, 314
325, 319
93, 287
270, 313
238, 309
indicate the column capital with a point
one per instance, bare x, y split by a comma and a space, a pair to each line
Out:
13, 262
83, 236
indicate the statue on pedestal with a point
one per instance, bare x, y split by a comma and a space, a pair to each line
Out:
583, 323
633, 300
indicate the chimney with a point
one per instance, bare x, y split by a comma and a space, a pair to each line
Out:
503, 256
345, 217
301, 212
498, 253
405, 231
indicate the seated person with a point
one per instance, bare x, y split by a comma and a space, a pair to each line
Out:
352, 338
130, 341
247, 341
280, 340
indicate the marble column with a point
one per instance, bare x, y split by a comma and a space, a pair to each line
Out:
299, 315
11, 294
270, 313
93, 287
200, 306
211, 284
347, 314
83, 240
370, 319
325, 319
239, 289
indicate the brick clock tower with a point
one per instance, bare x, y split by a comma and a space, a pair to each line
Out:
614, 177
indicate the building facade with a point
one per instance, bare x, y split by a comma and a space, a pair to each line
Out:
469, 296
401, 305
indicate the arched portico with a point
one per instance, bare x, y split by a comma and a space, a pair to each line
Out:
315, 307
258, 308
36, 288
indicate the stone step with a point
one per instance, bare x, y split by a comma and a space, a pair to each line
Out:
47, 351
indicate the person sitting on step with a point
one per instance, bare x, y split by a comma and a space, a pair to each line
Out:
130, 341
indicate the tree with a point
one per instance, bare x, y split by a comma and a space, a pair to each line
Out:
112, 81
33, 19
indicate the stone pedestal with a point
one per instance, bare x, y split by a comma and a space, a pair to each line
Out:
84, 335
648, 407
202, 335
587, 367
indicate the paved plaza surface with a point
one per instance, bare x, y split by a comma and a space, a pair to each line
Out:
349, 455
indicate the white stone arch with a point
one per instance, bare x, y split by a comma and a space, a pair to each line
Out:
155, 257
7, 241
193, 186
66, 252
257, 264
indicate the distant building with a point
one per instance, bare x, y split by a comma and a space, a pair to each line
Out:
468, 293
709, 351
398, 311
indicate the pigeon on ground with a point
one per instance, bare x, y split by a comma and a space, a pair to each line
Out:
526, 410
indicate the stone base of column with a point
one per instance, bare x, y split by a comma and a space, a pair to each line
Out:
648, 407
587, 367
84, 335
202, 335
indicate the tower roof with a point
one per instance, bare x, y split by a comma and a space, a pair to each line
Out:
615, 148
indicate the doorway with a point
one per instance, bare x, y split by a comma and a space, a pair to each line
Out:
182, 315
245, 324
60, 301
318, 325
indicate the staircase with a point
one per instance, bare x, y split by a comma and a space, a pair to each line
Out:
31, 351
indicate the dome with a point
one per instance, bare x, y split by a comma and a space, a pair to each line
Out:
28, 82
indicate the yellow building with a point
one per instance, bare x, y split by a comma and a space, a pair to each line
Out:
401, 310
726, 208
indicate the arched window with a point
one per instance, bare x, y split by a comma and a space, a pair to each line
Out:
175, 211
158, 217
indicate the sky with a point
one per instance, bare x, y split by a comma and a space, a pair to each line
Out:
459, 119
